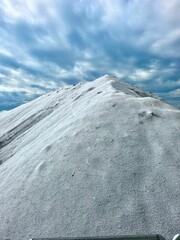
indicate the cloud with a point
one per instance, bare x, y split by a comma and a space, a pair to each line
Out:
11, 100
45, 44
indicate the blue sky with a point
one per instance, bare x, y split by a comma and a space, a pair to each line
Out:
46, 44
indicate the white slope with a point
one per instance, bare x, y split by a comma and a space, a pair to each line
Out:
99, 158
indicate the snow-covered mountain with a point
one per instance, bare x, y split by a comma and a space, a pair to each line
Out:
98, 158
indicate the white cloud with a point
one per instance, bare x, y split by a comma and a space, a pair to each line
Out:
164, 46
175, 93
50, 42
142, 75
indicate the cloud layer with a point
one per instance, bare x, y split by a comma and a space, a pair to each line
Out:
45, 44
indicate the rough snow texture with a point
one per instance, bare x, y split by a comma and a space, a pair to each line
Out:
99, 158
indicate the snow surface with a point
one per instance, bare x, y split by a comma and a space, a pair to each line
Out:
98, 158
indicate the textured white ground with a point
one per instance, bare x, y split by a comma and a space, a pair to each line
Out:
99, 158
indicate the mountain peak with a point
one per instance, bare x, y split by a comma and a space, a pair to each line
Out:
109, 76
88, 160
123, 87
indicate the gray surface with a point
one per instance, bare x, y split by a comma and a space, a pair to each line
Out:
101, 162
130, 237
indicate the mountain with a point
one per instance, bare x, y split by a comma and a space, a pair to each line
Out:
98, 158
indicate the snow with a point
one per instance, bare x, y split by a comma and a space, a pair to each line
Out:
176, 237
98, 158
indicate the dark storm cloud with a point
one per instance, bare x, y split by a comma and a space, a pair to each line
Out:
47, 43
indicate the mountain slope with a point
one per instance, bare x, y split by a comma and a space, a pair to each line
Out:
99, 158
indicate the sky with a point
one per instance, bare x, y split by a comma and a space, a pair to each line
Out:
47, 44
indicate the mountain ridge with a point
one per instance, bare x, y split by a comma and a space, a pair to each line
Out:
97, 158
